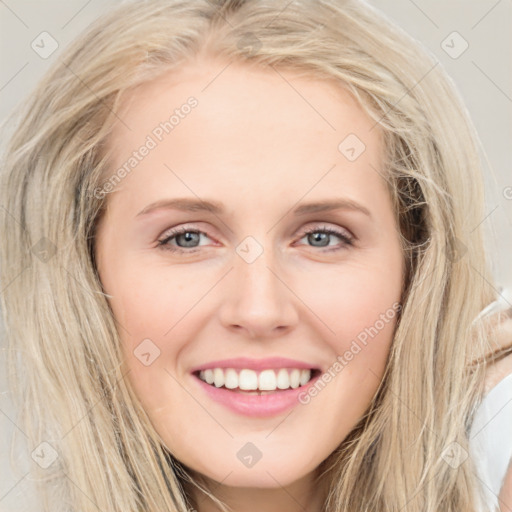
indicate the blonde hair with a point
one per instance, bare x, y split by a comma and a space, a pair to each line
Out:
64, 353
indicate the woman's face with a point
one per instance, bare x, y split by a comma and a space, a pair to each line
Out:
244, 293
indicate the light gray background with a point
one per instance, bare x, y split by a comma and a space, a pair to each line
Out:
482, 74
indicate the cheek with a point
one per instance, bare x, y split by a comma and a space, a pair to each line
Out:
151, 301
361, 311
151, 307
354, 302
359, 307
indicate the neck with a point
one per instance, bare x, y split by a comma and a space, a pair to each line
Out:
299, 496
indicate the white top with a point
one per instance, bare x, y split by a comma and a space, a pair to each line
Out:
491, 440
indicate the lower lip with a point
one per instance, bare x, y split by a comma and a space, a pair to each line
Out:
270, 404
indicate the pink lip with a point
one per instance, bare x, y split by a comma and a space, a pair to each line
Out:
272, 404
255, 364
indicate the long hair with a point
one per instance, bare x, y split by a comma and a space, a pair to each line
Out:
63, 341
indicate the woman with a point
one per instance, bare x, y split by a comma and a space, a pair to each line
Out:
250, 371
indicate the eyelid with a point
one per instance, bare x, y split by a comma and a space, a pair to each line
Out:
178, 229
175, 231
323, 226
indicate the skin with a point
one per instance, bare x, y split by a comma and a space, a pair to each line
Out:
261, 142
505, 497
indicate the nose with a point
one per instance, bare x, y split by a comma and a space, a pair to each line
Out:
259, 302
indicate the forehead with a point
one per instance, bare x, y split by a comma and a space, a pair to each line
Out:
270, 96
257, 127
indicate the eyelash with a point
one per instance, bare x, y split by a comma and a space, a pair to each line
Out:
163, 243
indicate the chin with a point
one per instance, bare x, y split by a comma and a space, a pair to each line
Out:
270, 475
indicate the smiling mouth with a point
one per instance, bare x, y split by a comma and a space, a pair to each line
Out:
251, 382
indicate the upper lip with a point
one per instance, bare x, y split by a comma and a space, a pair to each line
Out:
255, 364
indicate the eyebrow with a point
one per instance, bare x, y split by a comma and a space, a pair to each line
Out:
215, 207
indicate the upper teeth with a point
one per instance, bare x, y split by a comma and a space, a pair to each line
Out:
266, 380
